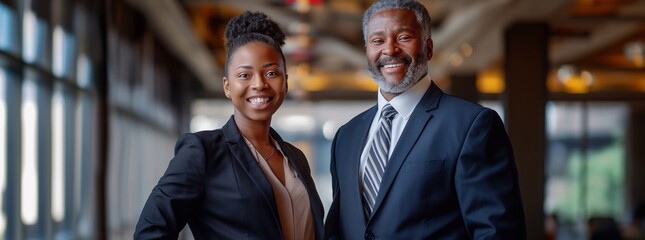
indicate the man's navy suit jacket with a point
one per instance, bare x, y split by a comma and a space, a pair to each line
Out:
451, 175
216, 186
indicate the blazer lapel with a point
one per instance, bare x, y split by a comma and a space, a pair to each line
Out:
243, 156
418, 120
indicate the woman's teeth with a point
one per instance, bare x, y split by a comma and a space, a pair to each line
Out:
259, 100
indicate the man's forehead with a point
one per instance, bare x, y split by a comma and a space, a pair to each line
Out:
395, 18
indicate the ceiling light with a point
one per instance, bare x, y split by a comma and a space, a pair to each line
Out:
466, 50
573, 80
456, 59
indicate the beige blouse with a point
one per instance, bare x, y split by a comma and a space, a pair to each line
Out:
291, 198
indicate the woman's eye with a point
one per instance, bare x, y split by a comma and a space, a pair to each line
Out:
243, 76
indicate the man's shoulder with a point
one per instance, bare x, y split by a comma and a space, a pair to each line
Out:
452, 102
363, 116
453, 107
359, 119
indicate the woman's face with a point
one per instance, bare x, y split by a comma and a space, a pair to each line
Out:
256, 81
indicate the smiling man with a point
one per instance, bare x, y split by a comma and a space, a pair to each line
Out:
420, 164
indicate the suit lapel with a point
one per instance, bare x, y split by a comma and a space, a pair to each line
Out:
243, 156
357, 139
418, 120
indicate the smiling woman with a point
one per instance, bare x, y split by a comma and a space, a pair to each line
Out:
264, 182
257, 82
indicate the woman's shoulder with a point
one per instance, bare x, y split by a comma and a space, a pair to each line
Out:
207, 133
207, 138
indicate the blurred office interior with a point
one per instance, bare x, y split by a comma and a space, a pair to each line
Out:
94, 94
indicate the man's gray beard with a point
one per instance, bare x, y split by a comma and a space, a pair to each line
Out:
414, 73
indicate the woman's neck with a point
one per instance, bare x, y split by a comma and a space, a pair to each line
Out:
255, 131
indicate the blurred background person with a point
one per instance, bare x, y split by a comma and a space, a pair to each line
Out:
635, 227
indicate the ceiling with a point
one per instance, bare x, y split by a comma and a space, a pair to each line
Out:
325, 50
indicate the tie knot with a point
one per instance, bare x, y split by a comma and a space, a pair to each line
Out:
388, 112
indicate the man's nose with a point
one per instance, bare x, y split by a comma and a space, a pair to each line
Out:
391, 48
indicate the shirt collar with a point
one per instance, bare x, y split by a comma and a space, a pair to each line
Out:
405, 103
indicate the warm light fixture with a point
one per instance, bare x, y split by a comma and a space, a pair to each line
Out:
304, 6
456, 59
466, 49
573, 80
491, 81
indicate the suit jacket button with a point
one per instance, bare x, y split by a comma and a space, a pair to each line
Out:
369, 236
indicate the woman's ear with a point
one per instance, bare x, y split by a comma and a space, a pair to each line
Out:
286, 82
227, 91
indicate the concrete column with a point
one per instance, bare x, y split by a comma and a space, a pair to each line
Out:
635, 156
465, 86
526, 67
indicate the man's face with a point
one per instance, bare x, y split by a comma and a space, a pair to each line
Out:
396, 51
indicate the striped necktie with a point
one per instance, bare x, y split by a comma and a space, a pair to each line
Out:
377, 159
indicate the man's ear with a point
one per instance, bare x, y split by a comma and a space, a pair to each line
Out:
430, 47
227, 91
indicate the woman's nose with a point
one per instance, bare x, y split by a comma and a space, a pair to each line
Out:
259, 82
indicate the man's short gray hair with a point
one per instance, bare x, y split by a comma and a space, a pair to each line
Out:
423, 17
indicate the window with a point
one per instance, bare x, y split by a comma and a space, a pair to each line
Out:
63, 50
29, 172
48, 147
34, 37
7, 28
585, 163
62, 159
3, 151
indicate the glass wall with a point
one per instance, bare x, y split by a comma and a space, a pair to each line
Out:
585, 167
147, 89
3, 152
47, 148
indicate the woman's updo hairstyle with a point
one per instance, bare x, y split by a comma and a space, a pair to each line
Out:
252, 27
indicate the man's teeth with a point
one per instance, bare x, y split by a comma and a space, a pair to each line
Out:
393, 65
259, 100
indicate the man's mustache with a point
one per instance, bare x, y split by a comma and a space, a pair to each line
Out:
385, 60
